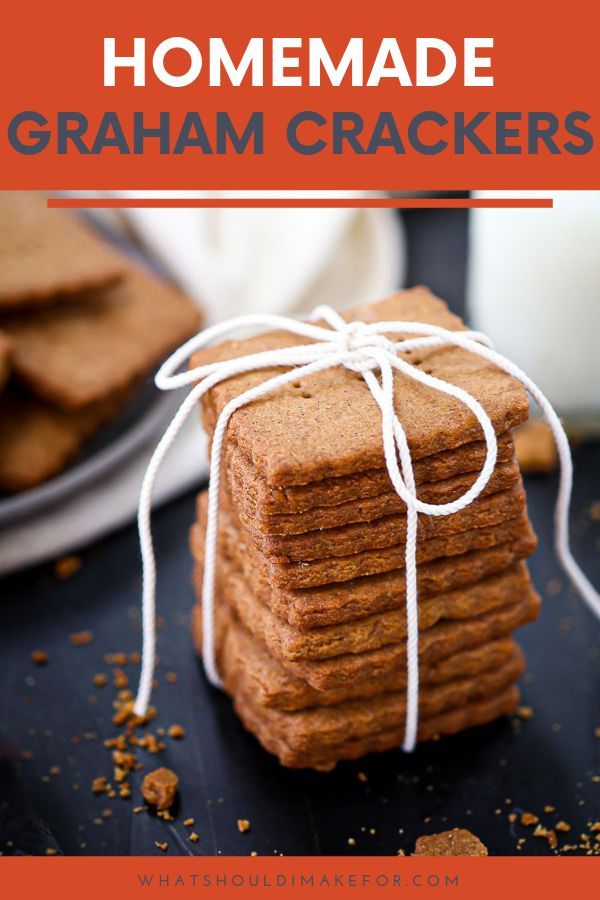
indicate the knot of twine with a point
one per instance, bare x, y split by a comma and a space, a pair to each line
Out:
364, 348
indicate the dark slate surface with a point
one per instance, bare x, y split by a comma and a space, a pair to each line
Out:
463, 781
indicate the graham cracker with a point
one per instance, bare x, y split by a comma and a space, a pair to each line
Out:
49, 254
474, 713
285, 642
321, 728
37, 440
313, 573
76, 354
438, 642
328, 425
334, 604
388, 531
273, 686
367, 509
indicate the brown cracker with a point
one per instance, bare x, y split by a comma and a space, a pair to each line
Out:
288, 643
302, 574
438, 642
320, 728
37, 440
49, 253
325, 543
76, 354
273, 686
360, 508
337, 603
475, 713
536, 448
328, 425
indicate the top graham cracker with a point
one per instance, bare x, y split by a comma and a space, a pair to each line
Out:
329, 425
47, 254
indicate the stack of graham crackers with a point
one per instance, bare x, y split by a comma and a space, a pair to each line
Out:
80, 326
311, 621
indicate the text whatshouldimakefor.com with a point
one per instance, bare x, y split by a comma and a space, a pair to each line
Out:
310, 880
292, 63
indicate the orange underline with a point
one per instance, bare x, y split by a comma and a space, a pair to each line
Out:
303, 202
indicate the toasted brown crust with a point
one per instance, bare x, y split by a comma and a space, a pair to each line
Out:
48, 254
332, 502
78, 353
328, 426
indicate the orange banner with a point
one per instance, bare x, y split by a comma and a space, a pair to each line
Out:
463, 878
516, 106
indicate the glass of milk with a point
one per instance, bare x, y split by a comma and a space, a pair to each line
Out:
534, 288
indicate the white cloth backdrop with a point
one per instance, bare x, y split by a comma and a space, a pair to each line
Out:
230, 261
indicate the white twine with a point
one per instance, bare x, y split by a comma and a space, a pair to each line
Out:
362, 348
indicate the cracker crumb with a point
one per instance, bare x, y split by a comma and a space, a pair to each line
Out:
193, 837
159, 788
100, 680
243, 825
549, 809
188, 822
562, 826
456, 842
81, 638
138, 809
171, 677
535, 448
99, 785
50, 851
351, 842
39, 658
362, 777
528, 818
115, 659
176, 732
525, 713
594, 511
161, 845
66, 566
547, 833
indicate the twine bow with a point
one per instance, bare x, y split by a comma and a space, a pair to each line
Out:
365, 348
